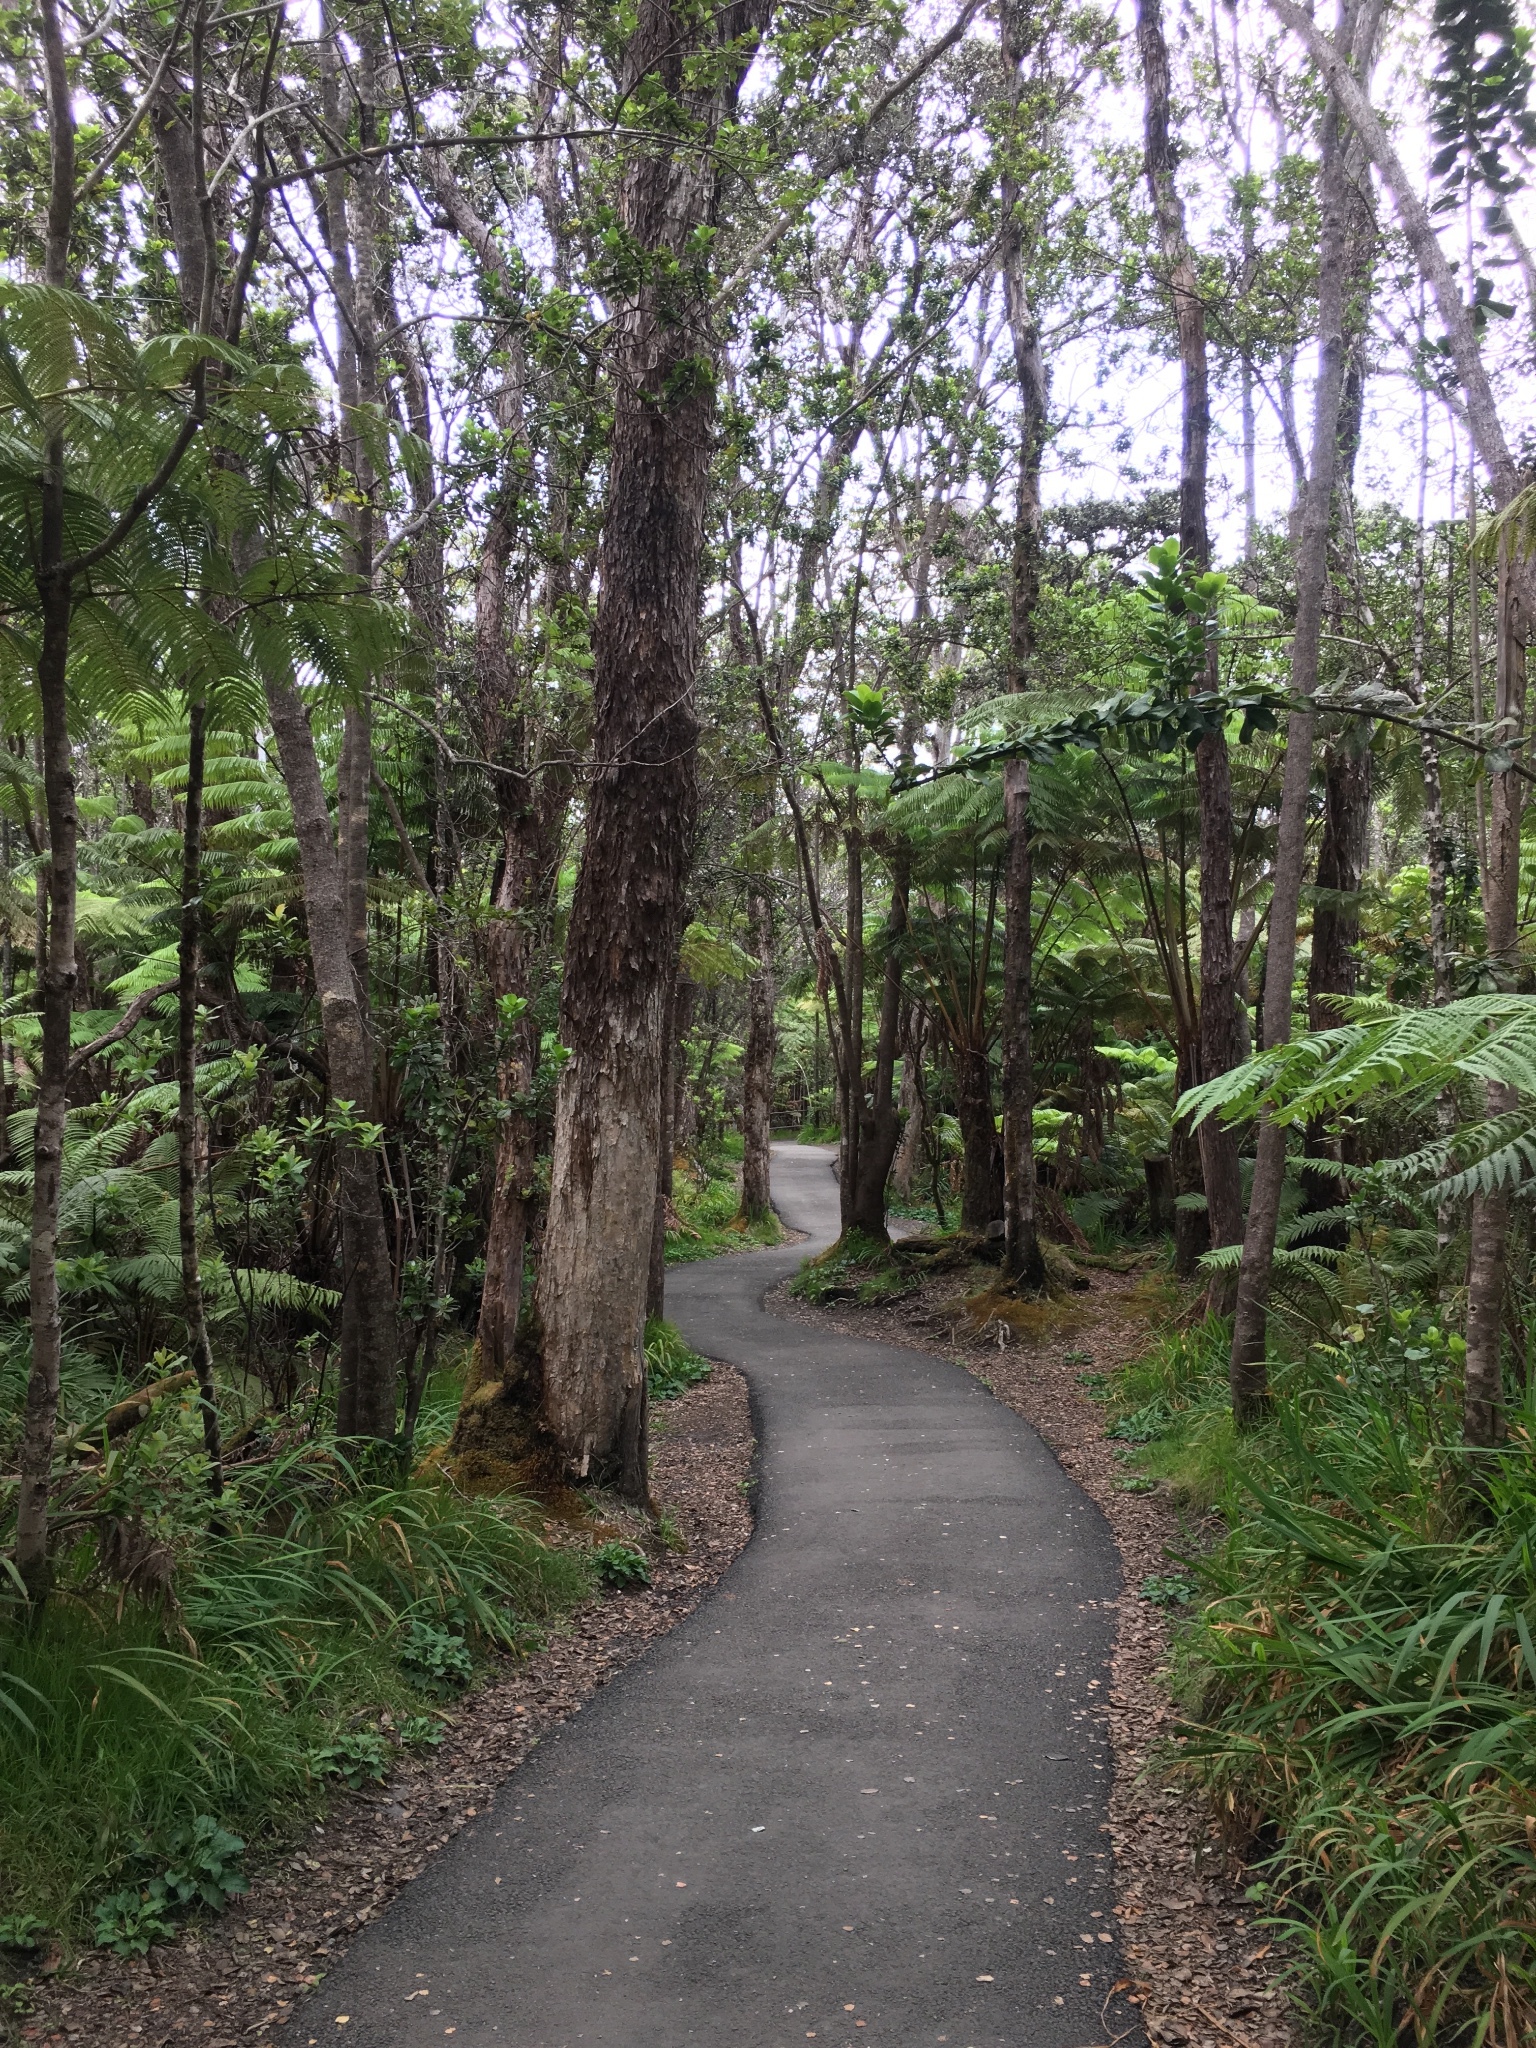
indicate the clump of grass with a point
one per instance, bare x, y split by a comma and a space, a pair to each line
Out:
707, 1203
671, 1367
123, 1721
856, 1269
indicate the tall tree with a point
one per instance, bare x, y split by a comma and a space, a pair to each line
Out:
1218, 1044
1483, 1416
1248, 1368
1021, 1238
626, 916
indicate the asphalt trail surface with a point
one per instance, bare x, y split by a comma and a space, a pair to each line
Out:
858, 1796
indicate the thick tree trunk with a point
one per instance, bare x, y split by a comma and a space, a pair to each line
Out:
1218, 1037
626, 916
1248, 1368
199, 1349
757, 1065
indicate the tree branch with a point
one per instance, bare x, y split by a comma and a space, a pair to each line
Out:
131, 1018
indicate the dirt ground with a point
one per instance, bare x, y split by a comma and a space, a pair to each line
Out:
239, 1982
1205, 1977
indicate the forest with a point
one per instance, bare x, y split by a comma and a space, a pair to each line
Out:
589, 587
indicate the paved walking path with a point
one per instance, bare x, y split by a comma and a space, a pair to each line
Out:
856, 1797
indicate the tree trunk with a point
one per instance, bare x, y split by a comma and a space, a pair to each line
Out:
981, 1194
1483, 1406
56, 962
757, 1065
1331, 974
1218, 1036
879, 1126
56, 976
369, 1342
656, 1279
1022, 1261
626, 916
1248, 1369
909, 1152
199, 1349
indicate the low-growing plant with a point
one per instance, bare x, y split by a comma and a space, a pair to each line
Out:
621, 1565
436, 1660
1168, 1589
115, 1729
671, 1366
23, 1932
205, 1865
130, 1922
856, 1269
359, 1757
420, 1731
1360, 1673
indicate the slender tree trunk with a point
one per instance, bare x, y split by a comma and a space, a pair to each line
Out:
626, 916
56, 966
1216, 1048
1332, 971
369, 1346
879, 1126
56, 975
199, 1349
1248, 1369
757, 1065
1022, 1261
981, 1195
851, 1068
1483, 1409
909, 1152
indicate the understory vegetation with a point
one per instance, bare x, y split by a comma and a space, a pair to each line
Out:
1356, 1661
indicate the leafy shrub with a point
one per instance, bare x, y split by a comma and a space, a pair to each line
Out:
23, 1932
204, 1869
622, 1565
856, 1269
436, 1660
357, 1758
205, 1865
130, 1922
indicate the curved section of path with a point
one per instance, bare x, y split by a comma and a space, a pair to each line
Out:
857, 1796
